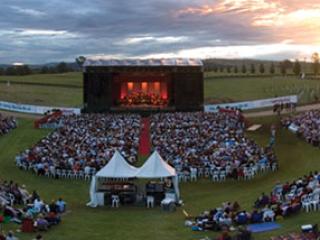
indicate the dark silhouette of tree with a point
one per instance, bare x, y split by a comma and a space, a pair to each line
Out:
316, 65
235, 69
228, 69
17, 70
284, 66
244, 69
261, 68
44, 70
272, 68
62, 68
80, 61
221, 69
296, 67
252, 68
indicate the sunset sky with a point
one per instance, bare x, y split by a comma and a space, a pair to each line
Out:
37, 31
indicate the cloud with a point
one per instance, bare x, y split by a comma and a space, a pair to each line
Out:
37, 31
146, 39
28, 11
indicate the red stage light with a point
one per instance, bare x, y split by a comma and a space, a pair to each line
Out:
144, 86
130, 86
156, 87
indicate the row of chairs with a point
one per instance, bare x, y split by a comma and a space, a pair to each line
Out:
63, 173
70, 174
310, 202
217, 175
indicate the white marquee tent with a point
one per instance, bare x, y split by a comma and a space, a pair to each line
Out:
118, 167
156, 167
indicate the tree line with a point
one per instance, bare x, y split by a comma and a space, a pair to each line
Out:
282, 67
21, 70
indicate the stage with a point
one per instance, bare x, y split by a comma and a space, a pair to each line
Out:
143, 85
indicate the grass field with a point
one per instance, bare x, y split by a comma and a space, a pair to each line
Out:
295, 156
228, 89
66, 89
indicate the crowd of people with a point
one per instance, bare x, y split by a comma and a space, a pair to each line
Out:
208, 142
313, 235
83, 144
228, 216
139, 97
7, 124
284, 200
306, 125
29, 210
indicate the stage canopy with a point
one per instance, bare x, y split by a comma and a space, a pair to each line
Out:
117, 167
106, 61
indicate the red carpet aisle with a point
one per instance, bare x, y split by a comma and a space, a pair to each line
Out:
144, 148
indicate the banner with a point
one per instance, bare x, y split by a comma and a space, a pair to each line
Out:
33, 109
253, 104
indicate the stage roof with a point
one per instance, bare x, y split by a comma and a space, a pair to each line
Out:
106, 62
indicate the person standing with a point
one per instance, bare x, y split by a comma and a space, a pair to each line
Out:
272, 135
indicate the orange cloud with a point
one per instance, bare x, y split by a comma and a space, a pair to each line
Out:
297, 20
240, 6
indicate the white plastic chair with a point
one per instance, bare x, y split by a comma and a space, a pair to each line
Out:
222, 176
115, 201
150, 201
248, 174
215, 176
306, 204
64, 173
314, 200
193, 174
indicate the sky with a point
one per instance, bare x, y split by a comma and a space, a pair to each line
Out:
37, 31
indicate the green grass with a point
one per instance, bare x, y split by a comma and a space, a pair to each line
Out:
72, 79
66, 89
130, 222
228, 89
63, 90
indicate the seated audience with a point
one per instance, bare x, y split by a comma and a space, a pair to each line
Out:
208, 142
7, 124
18, 206
307, 126
83, 144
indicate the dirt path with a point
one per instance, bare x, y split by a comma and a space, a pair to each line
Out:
270, 112
251, 114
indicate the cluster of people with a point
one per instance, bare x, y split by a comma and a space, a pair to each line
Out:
312, 234
297, 236
21, 207
140, 97
228, 216
198, 141
84, 143
7, 124
289, 107
288, 198
284, 200
306, 125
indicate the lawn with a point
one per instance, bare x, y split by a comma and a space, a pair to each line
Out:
227, 89
70, 79
66, 89
295, 156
